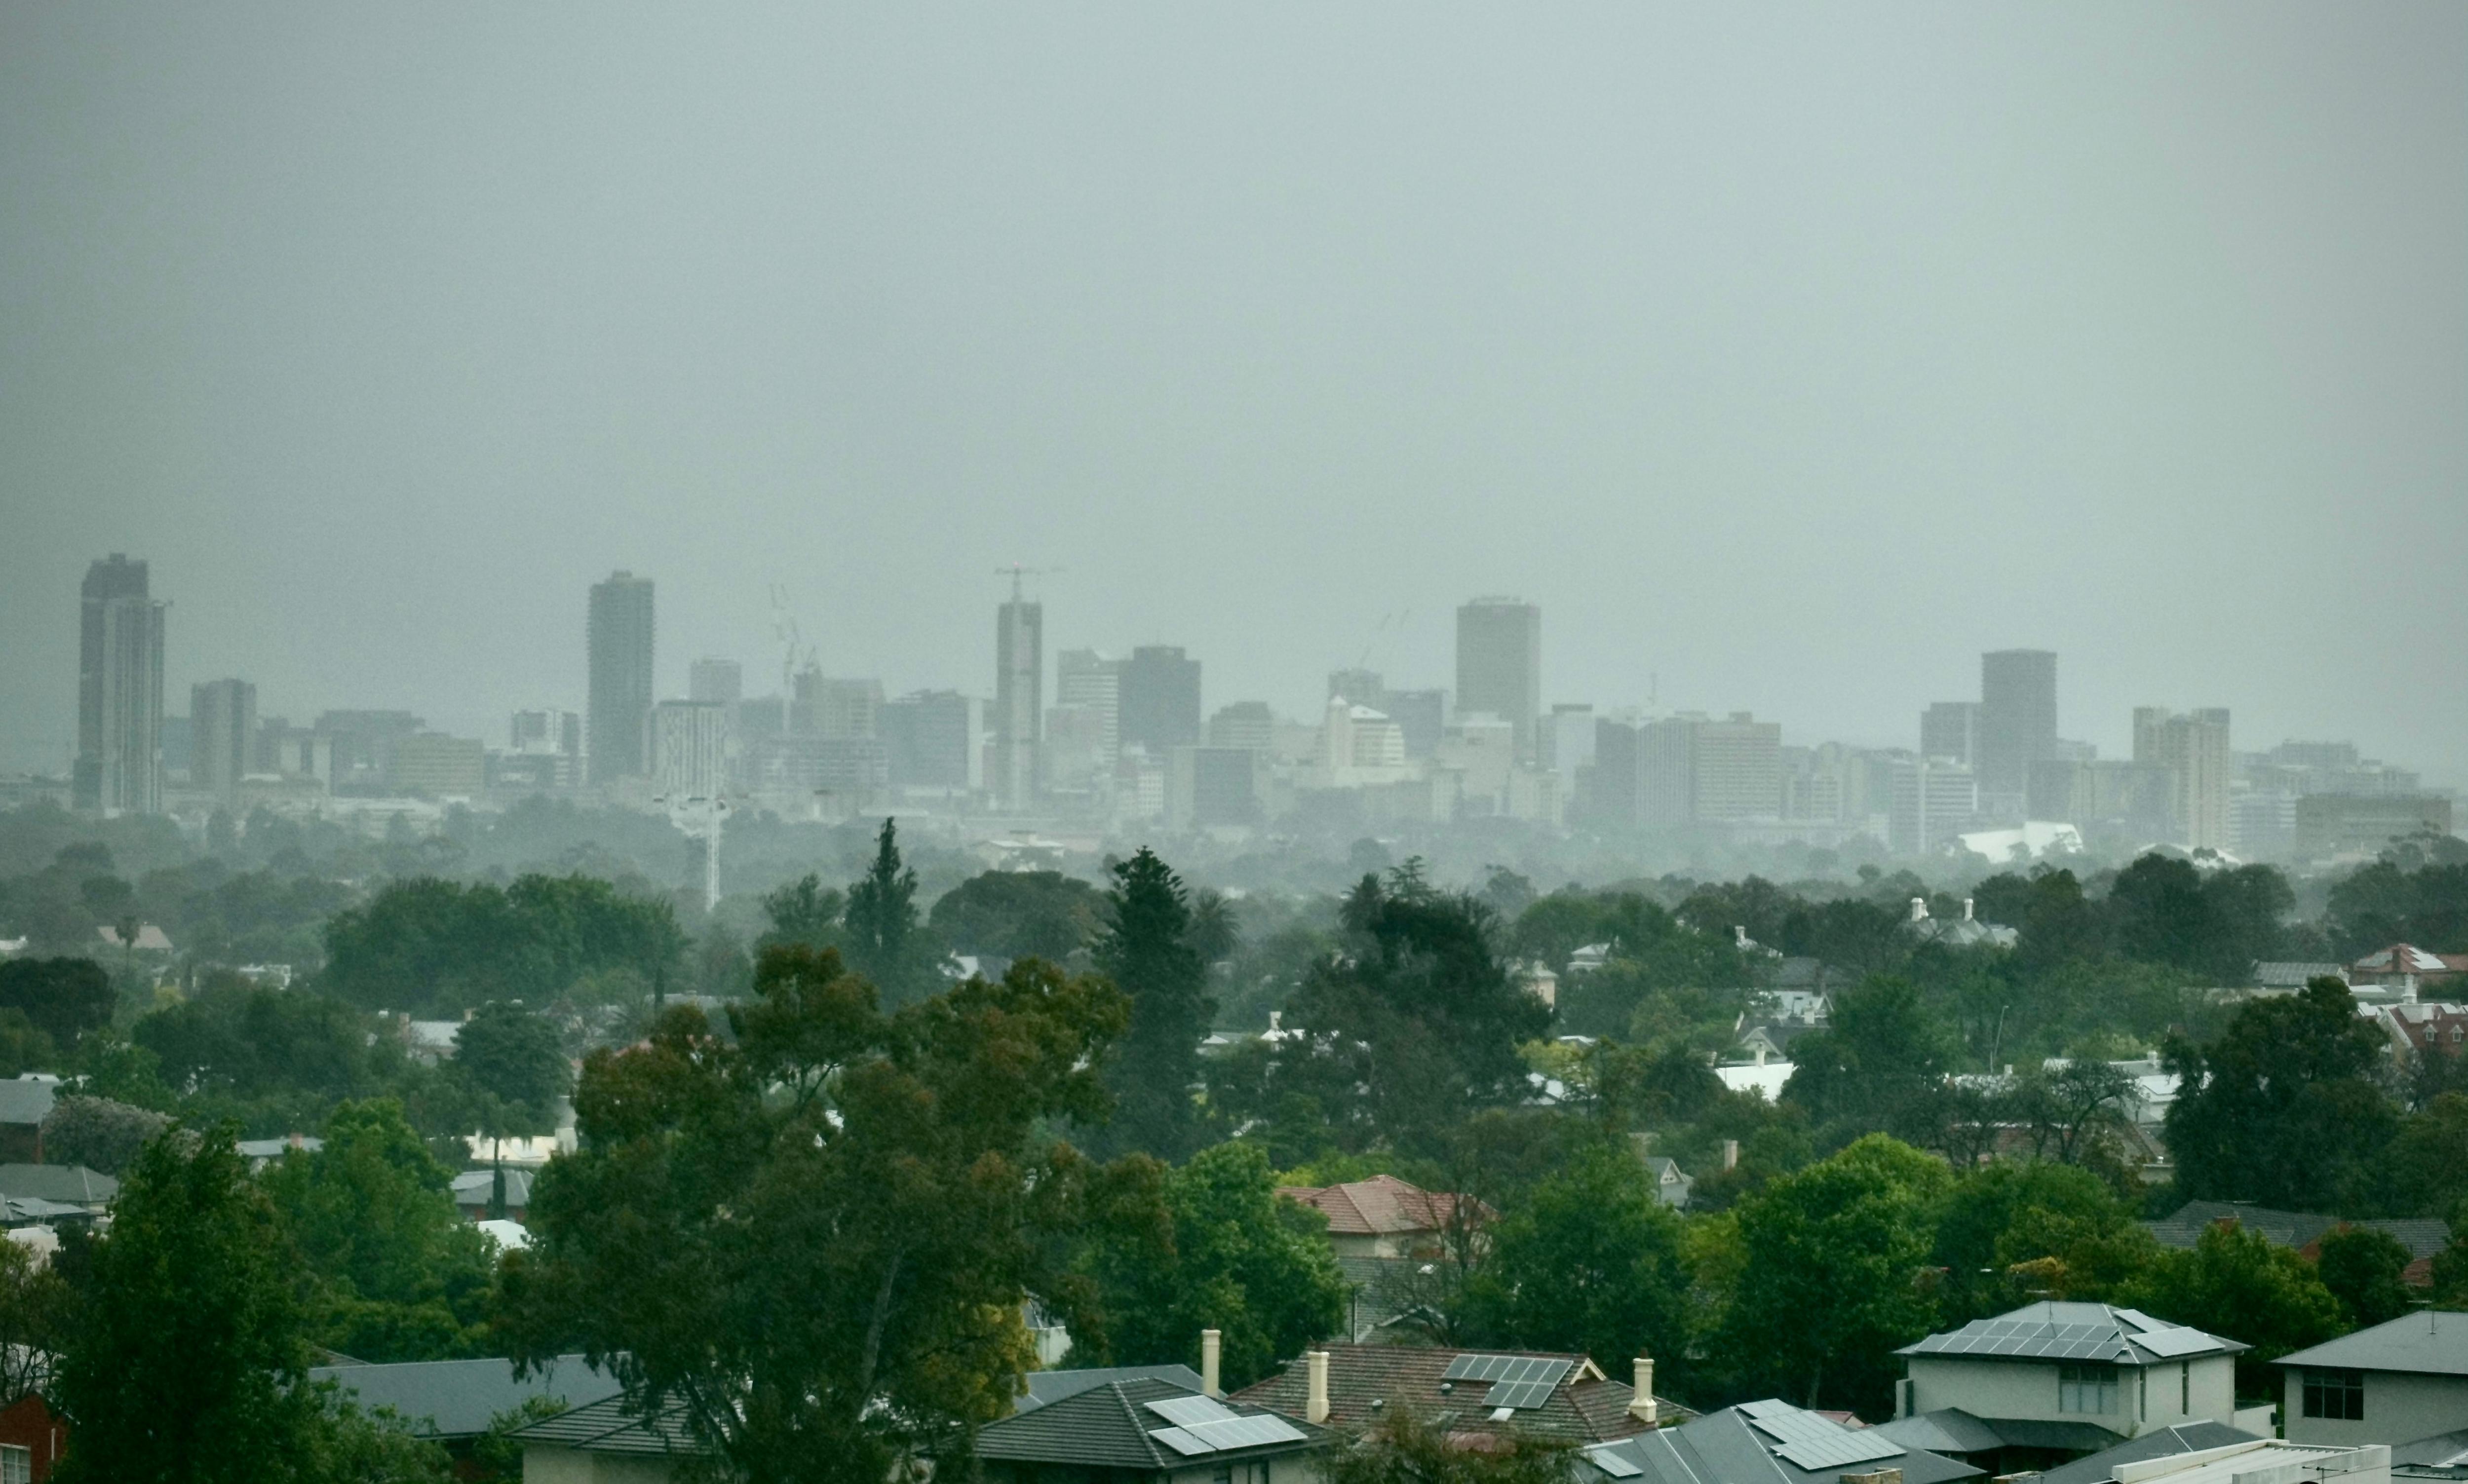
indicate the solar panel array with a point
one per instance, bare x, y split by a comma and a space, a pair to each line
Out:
1231, 1433
2037, 1339
1809, 1442
1516, 1381
1611, 1463
1184, 1411
2175, 1341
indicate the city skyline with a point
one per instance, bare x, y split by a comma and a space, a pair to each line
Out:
2132, 336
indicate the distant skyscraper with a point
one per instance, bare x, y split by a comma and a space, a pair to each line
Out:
1499, 666
1245, 723
1019, 697
721, 680
688, 746
2018, 721
2194, 749
120, 660
619, 638
1160, 700
1090, 680
1357, 687
222, 734
934, 740
1950, 729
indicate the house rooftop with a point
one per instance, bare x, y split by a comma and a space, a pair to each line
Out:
1950, 1429
1145, 1425
459, 1399
607, 1426
2186, 1437
71, 1184
1562, 1397
2053, 1331
2255, 1459
1047, 1387
25, 1101
2299, 1229
1768, 1442
2432, 1343
1382, 1205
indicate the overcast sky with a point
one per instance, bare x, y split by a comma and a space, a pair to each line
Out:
1787, 357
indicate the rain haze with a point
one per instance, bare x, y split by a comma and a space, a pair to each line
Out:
1785, 359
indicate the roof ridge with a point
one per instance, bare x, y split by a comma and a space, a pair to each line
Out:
1132, 1415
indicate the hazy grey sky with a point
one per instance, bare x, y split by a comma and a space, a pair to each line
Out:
1792, 354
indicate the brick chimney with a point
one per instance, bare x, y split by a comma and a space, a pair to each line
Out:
1640, 1407
1209, 1340
1316, 1408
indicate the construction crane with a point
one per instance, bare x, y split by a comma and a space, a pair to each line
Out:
784, 627
1016, 572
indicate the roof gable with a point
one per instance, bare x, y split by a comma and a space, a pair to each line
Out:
2432, 1343
1111, 1426
2059, 1332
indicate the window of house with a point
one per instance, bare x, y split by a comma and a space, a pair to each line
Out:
2340, 1395
16, 1464
2087, 1388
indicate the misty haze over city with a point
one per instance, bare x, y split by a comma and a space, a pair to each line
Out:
1234, 744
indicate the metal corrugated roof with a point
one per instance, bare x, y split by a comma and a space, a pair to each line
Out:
460, 1397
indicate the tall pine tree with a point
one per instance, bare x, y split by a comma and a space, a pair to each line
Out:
1147, 950
884, 941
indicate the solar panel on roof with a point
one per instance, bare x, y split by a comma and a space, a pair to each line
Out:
1225, 1435
1809, 1441
1181, 1442
1184, 1411
1611, 1463
2177, 1341
1522, 1394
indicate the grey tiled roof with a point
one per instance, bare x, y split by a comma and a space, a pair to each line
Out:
606, 1426
1723, 1448
1582, 1408
2432, 1343
1109, 1426
73, 1184
2186, 1437
456, 1399
27, 1103
1047, 1387
2423, 1238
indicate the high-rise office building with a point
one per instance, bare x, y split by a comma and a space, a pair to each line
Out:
1950, 729
1499, 666
1019, 698
721, 680
689, 745
222, 734
1095, 683
1159, 709
1421, 717
1245, 723
620, 640
1357, 687
1931, 802
1568, 742
2194, 749
934, 740
119, 691
2018, 721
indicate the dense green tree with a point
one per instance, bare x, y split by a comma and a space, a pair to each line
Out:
1416, 1024
97, 1132
804, 913
34, 1319
1589, 1263
2016, 1229
1831, 1284
2388, 903
2362, 1266
885, 942
1875, 1066
815, 1238
429, 944
2164, 910
282, 1055
1019, 914
1146, 952
186, 1361
2283, 1109
1408, 1448
515, 1062
2424, 1170
2241, 1284
65, 998
1235, 1259
400, 1275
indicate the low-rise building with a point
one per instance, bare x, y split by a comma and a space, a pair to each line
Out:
1473, 1394
1769, 1442
1151, 1431
2396, 1383
2108, 1372
2243, 1460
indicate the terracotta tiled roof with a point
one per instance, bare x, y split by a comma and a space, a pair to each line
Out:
1586, 1407
1382, 1205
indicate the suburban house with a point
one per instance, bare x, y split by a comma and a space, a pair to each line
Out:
2442, 1456
2061, 1380
1153, 1431
1045, 1387
60, 1189
475, 1191
603, 1442
1671, 1183
1562, 1397
25, 1102
2246, 1460
31, 1439
2303, 1231
1767, 1441
2403, 969
2396, 1382
454, 1401
1383, 1216
2425, 1026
